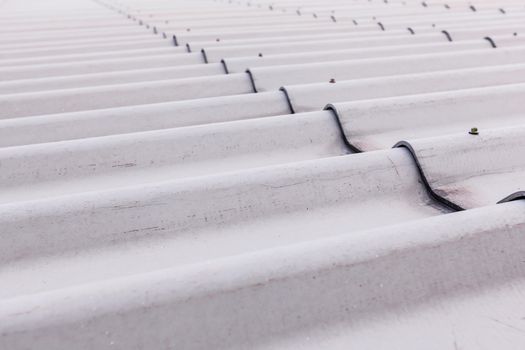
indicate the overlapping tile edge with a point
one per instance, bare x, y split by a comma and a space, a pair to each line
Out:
307, 240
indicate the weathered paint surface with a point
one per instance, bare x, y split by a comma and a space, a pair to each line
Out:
181, 174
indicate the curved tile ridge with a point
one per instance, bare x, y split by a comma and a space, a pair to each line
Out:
119, 95
265, 34
217, 53
240, 64
72, 51
59, 168
137, 118
320, 34
472, 170
513, 197
170, 223
379, 123
312, 97
117, 52
91, 80
349, 284
273, 77
113, 65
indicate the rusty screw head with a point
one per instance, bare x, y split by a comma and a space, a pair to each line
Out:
474, 131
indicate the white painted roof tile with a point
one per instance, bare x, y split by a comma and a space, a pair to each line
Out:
87, 98
241, 64
164, 58
110, 78
271, 78
121, 120
135, 47
218, 52
167, 154
136, 50
308, 97
299, 31
261, 174
471, 170
180, 219
379, 123
396, 273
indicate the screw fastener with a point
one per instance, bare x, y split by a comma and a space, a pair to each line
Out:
474, 131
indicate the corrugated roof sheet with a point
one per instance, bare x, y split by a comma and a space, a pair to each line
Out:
182, 174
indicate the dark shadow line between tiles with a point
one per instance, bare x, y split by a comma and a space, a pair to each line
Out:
290, 105
333, 109
223, 62
429, 189
252, 80
492, 43
449, 38
513, 197
442, 201
203, 55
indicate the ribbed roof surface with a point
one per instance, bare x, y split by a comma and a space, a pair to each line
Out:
299, 174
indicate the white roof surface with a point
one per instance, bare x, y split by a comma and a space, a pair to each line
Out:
287, 174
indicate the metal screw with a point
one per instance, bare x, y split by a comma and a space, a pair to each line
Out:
474, 131
332, 81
